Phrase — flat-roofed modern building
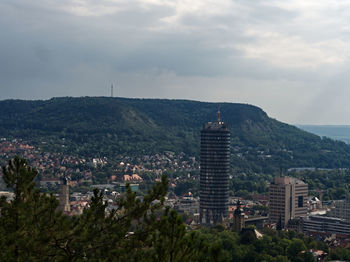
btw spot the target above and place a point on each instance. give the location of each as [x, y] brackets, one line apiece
[341, 209]
[287, 200]
[324, 224]
[214, 172]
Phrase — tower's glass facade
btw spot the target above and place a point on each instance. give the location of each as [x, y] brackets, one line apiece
[214, 172]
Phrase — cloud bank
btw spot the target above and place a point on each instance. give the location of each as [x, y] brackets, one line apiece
[289, 57]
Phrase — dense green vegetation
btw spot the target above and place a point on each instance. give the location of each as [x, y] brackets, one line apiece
[325, 184]
[328, 184]
[31, 229]
[101, 126]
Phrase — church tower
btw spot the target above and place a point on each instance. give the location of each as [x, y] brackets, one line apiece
[238, 218]
[64, 205]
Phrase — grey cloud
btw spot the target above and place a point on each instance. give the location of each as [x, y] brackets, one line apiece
[48, 51]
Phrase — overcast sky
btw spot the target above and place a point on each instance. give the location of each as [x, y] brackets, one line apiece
[291, 58]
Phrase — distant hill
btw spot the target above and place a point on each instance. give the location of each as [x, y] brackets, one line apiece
[336, 132]
[102, 126]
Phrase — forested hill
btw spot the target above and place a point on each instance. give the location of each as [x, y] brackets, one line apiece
[102, 126]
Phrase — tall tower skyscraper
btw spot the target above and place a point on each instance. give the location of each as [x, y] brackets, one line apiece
[214, 172]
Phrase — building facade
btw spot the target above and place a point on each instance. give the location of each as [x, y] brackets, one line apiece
[341, 209]
[238, 218]
[324, 224]
[287, 200]
[64, 203]
[214, 172]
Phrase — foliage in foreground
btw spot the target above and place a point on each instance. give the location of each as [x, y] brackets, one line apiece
[31, 229]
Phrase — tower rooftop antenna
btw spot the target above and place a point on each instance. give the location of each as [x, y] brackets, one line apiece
[219, 114]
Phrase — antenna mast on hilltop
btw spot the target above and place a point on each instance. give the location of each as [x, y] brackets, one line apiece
[112, 90]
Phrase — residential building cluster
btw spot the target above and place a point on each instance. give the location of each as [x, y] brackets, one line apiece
[50, 166]
[56, 169]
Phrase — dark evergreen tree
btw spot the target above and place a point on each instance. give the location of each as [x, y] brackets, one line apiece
[29, 222]
[171, 242]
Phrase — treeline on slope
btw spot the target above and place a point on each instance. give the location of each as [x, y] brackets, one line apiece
[93, 126]
[324, 184]
[31, 229]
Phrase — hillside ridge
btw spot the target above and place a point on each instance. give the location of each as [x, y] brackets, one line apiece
[108, 126]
